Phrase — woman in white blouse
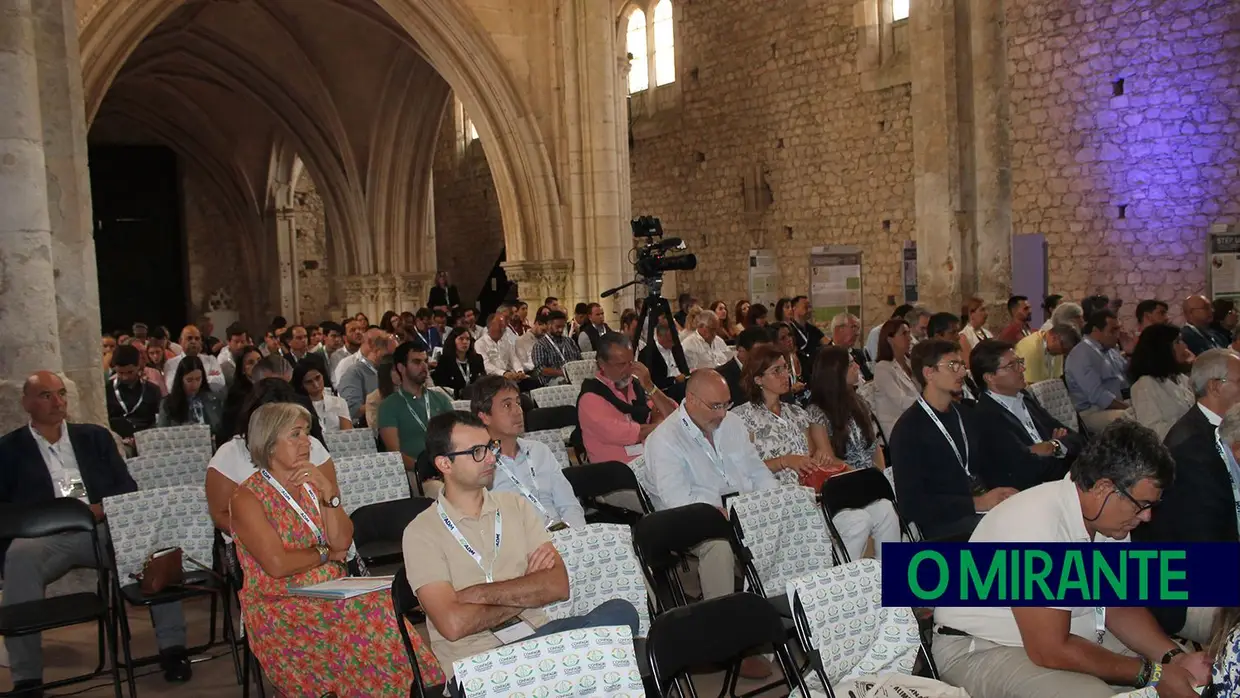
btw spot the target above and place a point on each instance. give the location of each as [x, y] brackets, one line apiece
[1161, 389]
[973, 315]
[895, 389]
[310, 379]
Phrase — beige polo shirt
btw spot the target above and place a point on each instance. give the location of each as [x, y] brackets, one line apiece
[1047, 513]
[433, 554]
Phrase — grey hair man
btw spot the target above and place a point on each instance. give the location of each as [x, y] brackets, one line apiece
[704, 348]
[1067, 314]
[918, 320]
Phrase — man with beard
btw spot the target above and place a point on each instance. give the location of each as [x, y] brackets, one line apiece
[405, 414]
[355, 337]
[553, 351]
[620, 406]
[191, 342]
[1020, 310]
[133, 403]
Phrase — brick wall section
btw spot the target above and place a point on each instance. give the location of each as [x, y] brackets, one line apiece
[780, 70]
[310, 221]
[469, 233]
[1168, 148]
[212, 250]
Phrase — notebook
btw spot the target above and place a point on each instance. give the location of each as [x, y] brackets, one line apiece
[344, 588]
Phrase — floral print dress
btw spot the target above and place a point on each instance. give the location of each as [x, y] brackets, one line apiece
[1226, 675]
[309, 647]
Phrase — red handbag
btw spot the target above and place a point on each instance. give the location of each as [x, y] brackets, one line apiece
[814, 478]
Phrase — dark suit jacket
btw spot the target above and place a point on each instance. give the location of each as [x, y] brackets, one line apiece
[447, 375]
[1006, 459]
[1198, 506]
[24, 476]
[446, 296]
[731, 372]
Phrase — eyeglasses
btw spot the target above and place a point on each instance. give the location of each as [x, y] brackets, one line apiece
[1141, 507]
[479, 452]
[953, 366]
[1014, 363]
[713, 406]
[777, 370]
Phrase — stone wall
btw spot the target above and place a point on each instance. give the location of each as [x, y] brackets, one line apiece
[314, 283]
[213, 251]
[784, 97]
[1166, 149]
[469, 234]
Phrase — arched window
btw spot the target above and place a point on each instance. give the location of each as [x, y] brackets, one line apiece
[635, 44]
[899, 10]
[664, 44]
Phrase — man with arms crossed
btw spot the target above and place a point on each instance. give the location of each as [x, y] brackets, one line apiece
[482, 563]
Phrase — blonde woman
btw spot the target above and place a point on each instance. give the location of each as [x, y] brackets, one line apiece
[973, 315]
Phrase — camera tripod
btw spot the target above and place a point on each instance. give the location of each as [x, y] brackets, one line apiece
[654, 309]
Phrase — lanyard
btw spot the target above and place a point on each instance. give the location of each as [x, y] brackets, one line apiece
[525, 491]
[117, 392]
[301, 513]
[195, 411]
[964, 462]
[804, 337]
[1100, 622]
[409, 406]
[425, 341]
[460, 540]
[557, 349]
[711, 451]
[1232, 467]
[466, 373]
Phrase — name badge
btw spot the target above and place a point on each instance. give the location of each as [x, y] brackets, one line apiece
[514, 630]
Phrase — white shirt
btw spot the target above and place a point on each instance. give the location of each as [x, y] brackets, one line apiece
[973, 335]
[669, 359]
[60, 460]
[699, 354]
[684, 468]
[225, 357]
[538, 471]
[1214, 419]
[1047, 513]
[477, 332]
[524, 351]
[1016, 405]
[871, 342]
[498, 357]
[344, 365]
[330, 410]
[233, 458]
[215, 376]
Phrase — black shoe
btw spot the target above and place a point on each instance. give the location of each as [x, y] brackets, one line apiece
[175, 663]
[30, 684]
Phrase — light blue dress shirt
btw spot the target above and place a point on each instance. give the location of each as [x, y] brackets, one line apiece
[1095, 376]
[538, 471]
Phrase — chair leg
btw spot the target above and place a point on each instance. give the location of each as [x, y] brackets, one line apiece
[230, 632]
[113, 651]
[102, 642]
[211, 623]
[122, 618]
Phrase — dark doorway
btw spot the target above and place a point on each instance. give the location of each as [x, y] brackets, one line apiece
[139, 242]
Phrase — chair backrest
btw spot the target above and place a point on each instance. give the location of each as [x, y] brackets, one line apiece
[785, 533]
[853, 490]
[149, 442]
[460, 405]
[369, 479]
[350, 442]
[598, 479]
[601, 566]
[170, 468]
[554, 440]
[589, 355]
[556, 395]
[664, 538]
[840, 616]
[578, 371]
[540, 418]
[145, 521]
[386, 521]
[1053, 395]
[588, 662]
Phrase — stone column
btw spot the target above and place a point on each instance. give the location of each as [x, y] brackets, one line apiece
[286, 249]
[538, 279]
[29, 326]
[992, 155]
[69, 204]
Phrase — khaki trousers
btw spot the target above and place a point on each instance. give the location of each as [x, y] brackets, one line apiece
[1096, 420]
[716, 568]
[988, 670]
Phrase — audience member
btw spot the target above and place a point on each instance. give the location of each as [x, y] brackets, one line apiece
[1043, 351]
[1224, 649]
[1198, 332]
[1161, 389]
[720, 309]
[525, 343]
[423, 331]
[499, 355]
[895, 387]
[1049, 304]
[552, 303]
[1095, 373]
[628, 323]
[684, 301]
[918, 320]
[757, 316]
[360, 377]
[798, 370]
[1022, 445]
[554, 351]
[460, 366]
[190, 401]
[390, 323]
[389, 379]
[581, 318]
[405, 414]
[973, 315]
[941, 326]
[238, 339]
[740, 316]
[132, 402]
[524, 466]
[1020, 313]
[592, 328]
[1201, 505]
[871, 338]
[44, 460]
[469, 319]
[297, 339]
[841, 425]
[191, 344]
[243, 383]
[846, 328]
[1094, 303]
[469, 583]
[731, 371]
[620, 405]
[291, 532]
[1225, 320]
[310, 379]
[1083, 652]
[668, 368]
[1151, 312]
[933, 453]
[704, 348]
[518, 320]
[808, 337]
[443, 295]
[272, 343]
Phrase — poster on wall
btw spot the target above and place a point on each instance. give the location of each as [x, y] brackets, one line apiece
[1224, 262]
[834, 282]
[910, 271]
[763, 278]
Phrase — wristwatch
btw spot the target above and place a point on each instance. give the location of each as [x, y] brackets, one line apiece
[1060, 450]
[1171, 653]
[334, 502]
[323, 553]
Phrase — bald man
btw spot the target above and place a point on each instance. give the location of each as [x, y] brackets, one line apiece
[191, 342]
[48, 459]
[1197, 333]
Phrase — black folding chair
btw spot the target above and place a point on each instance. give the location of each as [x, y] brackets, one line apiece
[594, 480]
[64, 515]
[378, 528]
[854, 490]
[234, 581]
[405, 606]
[713, 632]
[542, 418]
[664, 540]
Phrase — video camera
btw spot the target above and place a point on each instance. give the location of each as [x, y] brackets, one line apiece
[653, 259]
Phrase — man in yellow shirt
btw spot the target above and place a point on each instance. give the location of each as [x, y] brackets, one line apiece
[1043, 351]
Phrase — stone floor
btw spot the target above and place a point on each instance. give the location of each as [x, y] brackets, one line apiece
[71, 651]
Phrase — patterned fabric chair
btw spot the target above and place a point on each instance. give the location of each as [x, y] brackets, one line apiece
[601, 566]
[460, 405]
[785, 532]
[370, 479]
[351, 442]
[150, 442]
[1147, 692]
[1053, 395]
[554, 440]
[590, 662]
[588, 355]
[145, 521]
[169, 469]
[844, 628]
[578, 371]
[556, 395]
